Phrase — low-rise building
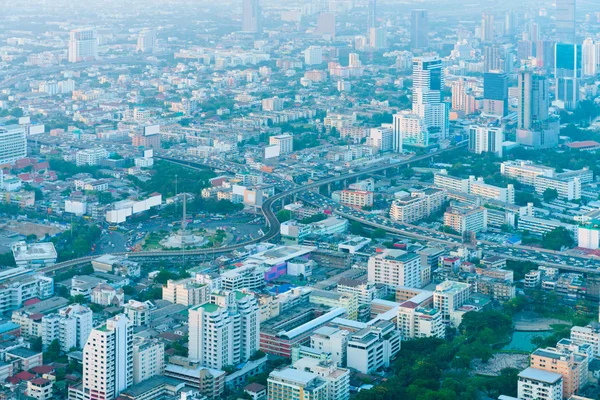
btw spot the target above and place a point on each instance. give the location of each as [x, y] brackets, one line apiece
[373, 347]
[291, 383]
[34, 255]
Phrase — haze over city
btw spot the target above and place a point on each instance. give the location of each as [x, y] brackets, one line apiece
[300, 200]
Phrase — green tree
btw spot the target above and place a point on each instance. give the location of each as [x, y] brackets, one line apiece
[284, 215]
[550, 195]
[557, 239]
[378, 233]
[36, 344]
[53, 351]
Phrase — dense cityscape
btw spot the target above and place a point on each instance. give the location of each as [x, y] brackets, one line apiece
[300, 200]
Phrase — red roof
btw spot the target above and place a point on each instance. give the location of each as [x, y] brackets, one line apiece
[31, 302]
[40, 381]
[585, 143]
[43, 369]
[21, 376]
[36, 316]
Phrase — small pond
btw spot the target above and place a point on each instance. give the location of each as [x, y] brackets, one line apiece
[521, 340]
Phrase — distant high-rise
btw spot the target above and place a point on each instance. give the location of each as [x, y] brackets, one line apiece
[377, 38]
[419, 29]
[534, 100]
[493, 58]
[146, 40]
[372, 16]
[251, 16]
[565, 21]
[428, 87]
[495, 93]
[567, 72]
[510, 23]
[589, 54]
[83, 45]
[487, 27]
[326, 24]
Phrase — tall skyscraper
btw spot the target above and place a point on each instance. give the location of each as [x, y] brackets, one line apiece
[487, 27]
[372, 15]
[565, 21]
[567, 72]
[495, 93]
[419, 29]
[251, 16]
[83, 45]
[225, 331]
[534, 100]
[428, 87]
[588, 57]
[107, 361]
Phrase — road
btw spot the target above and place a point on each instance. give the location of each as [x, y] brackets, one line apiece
[273, 224]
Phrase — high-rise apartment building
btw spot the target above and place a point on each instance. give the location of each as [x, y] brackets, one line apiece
[225, 331]
[251, 16]
[13, 144]
[495, 93]
[148, 359]
[83, 45]
[395, 268]
[560, 362]
[485, 139]
[419, 205]
[313, 55]
[71, 327]
[419, 29]
[449, 296]
[419, 322]
[381, 138]
[540, 385]
[565, 21]
[107, 361]
[409, 129]
[466, 219]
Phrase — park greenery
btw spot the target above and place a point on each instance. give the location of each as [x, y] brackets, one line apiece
[169, 179]
[76, 242]
[439, 369]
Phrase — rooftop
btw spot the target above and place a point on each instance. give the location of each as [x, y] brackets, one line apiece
[540, 375]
